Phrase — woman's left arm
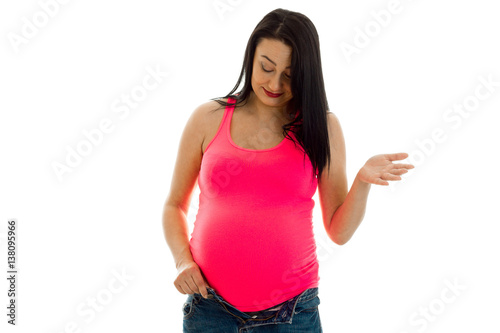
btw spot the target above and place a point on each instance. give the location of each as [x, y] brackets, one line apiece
[343, 211]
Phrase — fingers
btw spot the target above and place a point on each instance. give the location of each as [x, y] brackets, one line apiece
[186, 288]
[396, 157]
[192, 285]
[201, 285]
[388, 176]
[403, 166]
[190, 280]
[379, 181]
[398, 171]
[389, 171]
[181, 289]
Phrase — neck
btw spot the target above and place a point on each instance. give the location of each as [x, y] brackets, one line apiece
[266, 112]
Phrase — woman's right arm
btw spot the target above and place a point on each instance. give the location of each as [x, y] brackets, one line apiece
[175, 227]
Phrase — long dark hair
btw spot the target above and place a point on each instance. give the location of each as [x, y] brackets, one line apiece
[308, 89]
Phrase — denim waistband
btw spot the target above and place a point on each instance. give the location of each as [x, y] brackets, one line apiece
[282, 313]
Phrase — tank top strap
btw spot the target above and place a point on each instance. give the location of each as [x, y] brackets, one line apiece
[230, 108]
[228, 115]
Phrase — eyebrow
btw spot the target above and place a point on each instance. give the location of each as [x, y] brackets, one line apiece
[271, 60]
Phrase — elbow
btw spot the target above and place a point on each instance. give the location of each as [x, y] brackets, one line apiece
[339, 239]
[341, 242]
[337, 236]
[336, 233]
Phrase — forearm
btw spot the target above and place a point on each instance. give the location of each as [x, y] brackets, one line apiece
[176, 231]
[349, 215]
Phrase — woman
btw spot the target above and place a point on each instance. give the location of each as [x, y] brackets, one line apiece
[259, 156]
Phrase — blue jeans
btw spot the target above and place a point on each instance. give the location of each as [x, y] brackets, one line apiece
[214, 314]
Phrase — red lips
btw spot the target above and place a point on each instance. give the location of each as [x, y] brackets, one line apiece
[271, 94]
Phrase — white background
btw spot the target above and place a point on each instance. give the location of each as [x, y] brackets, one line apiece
[439, 223]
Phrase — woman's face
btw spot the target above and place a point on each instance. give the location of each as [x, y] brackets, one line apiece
[272, 72]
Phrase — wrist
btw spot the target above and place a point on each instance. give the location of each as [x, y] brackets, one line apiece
[360, 178]
[183, 261]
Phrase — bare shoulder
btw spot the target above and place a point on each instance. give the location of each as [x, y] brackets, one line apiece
[190, 153]
[337, 143]
[208, 108]
[332, 118]
[208, 117]
[334, 127]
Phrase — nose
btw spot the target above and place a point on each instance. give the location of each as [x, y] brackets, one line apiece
[275, 84]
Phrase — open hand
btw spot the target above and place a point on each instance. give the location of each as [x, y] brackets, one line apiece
[379, 169]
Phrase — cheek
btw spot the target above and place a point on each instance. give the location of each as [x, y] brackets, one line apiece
[258, 78]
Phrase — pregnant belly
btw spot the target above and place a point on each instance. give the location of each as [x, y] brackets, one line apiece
[255, 266]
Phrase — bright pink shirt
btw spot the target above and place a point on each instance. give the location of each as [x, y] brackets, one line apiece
[253, 234]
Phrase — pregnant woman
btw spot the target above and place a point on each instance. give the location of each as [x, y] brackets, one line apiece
[259, 155]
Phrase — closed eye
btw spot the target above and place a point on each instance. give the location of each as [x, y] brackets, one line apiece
[265, 70]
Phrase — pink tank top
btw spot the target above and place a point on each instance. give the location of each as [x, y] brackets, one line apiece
[253, 233]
